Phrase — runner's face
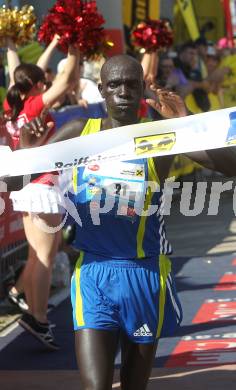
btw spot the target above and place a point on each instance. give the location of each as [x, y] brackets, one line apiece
[122, 88]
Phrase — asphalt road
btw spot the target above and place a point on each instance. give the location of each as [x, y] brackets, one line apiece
[203, 234]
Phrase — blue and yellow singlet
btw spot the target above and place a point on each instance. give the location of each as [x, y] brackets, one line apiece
[113, 201]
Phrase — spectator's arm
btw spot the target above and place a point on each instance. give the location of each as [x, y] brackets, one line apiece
[12, 60]
[45, 57]
[149, 64]
[153, 67]
[64, 80]
[146, 61]
[221, 160]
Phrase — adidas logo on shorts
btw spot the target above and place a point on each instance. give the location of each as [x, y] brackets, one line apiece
[143, 331]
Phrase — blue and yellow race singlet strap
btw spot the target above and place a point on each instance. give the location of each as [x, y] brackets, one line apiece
[92, 126]
[79, 302]
[152, 176]
[164, 269]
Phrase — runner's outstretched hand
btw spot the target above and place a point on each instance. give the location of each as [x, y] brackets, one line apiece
[35, 132]
[167, 103]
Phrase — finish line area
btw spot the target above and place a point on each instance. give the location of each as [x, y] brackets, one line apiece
[203, 353]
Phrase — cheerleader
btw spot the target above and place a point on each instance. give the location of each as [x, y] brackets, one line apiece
[39, 201]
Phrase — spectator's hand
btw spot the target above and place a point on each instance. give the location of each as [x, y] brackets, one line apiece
[167, 103]
[204, 84]
[149, 80]
[219, 74]
[149, 64]
[7, 42]
[83, 103]
[214, 87]
[35, 132]
[56, 39]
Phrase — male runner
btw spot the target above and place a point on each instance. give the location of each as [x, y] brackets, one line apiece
[122, 287]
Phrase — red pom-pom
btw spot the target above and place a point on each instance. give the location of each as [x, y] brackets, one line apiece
[78, 23]
[152, 35]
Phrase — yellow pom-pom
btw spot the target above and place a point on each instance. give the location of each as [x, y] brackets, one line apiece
[17, 24]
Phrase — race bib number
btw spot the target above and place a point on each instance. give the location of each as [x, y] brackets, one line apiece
[123, 185]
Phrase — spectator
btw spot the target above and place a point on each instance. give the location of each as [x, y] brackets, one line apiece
[88, 85]
[202, 47]
[26, 99]
[165, 70]
[71, 96]
[49, 77]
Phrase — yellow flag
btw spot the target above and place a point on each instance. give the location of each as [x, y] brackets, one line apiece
[154, 9]
[187, 11]
[138, 11]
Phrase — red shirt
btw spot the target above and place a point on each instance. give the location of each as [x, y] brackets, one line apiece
[33, 107]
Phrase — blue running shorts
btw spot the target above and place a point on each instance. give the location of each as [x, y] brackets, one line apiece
[137, 297]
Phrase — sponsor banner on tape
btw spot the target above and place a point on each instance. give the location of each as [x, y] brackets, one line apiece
[211, 130]
[154, 143]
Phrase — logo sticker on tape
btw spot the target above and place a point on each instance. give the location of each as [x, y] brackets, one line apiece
[231, 136]
[154, 143]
